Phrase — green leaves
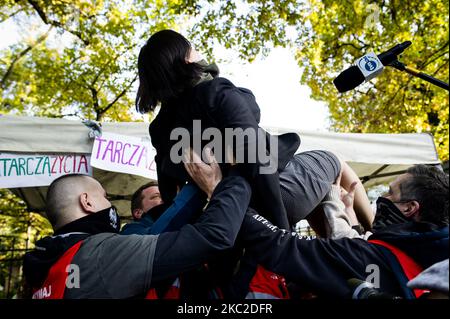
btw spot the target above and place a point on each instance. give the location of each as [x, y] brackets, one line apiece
[79, 59]
[82, 60]
[86, 65]
[395, 101]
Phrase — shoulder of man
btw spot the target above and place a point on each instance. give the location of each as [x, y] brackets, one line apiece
[102, 260]
[140, 227]
[113, 239]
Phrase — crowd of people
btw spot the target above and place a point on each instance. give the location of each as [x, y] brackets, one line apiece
[211, 228]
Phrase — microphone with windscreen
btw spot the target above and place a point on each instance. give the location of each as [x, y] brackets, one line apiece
[368, 67]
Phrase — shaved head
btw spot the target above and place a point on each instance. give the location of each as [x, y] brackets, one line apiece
[63, 198]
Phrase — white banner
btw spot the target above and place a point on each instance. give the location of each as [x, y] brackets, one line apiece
[124, 154]
[26, 170]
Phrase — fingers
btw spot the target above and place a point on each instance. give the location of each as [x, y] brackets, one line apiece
[197, 169]
[214, 165]
[193, 163]
[338, 179]
[209, 156]
[190, 156]
[195, 157]
[211, 159]
[352, 188]
[188, 162]
[343, 192]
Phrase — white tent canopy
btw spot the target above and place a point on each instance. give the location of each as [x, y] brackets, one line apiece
[375, 157]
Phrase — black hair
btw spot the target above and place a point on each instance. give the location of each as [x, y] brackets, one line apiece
[428, 185]
[163, 69]
[136, 199]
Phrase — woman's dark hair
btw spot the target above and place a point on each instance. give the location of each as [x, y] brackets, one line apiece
[163, 69]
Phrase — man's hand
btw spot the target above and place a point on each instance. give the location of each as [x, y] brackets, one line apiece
[206, 176]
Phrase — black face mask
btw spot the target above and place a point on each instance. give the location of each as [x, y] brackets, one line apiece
[156, 211]
[104, 221]
[387, 214]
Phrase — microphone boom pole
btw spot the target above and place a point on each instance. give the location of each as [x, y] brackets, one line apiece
[370, 65]
[410, 70]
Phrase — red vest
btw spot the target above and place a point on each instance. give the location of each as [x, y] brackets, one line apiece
[172, 293]
[267, 285]
[410, 268]
[55, 283]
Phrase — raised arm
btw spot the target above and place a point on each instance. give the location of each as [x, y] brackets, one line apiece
[340, 218]
[322, 265]
[215, 230]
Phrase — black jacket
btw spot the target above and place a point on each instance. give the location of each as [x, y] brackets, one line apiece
[324, 265]
[219, 104]
[119, 266]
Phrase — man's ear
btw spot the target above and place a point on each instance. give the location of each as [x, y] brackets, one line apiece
[86, 203]
[412, 209]
[137, 213]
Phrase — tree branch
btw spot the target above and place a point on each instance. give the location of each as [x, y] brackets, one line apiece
[77, 114]
[104, 68]
[388, 103]
[432, 54]
[352, 45]
[439, 68]
[11, 15]
[124, 91]
[95, 99]
[55, 23]
[393, 10]
[114, 59]
[21, 55]
[434, 59]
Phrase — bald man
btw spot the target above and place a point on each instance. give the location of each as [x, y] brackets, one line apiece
[87, 258]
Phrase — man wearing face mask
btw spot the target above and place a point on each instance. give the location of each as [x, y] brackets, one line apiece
[145, 209]
[413, 196]
[398, 250]
[410, 233]
[152, 216]
[87, 258]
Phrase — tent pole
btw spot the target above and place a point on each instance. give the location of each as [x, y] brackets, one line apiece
[366, 178]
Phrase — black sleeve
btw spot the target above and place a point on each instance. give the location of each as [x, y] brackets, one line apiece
[236, 108]
[229, 105]
[232, 108]
[167, 185]
[214, 231]
[159, 131]
[322, 265]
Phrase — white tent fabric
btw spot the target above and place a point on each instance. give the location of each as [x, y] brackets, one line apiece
[45, 135]
[376, 158]
[370, 148]
[368, 154]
